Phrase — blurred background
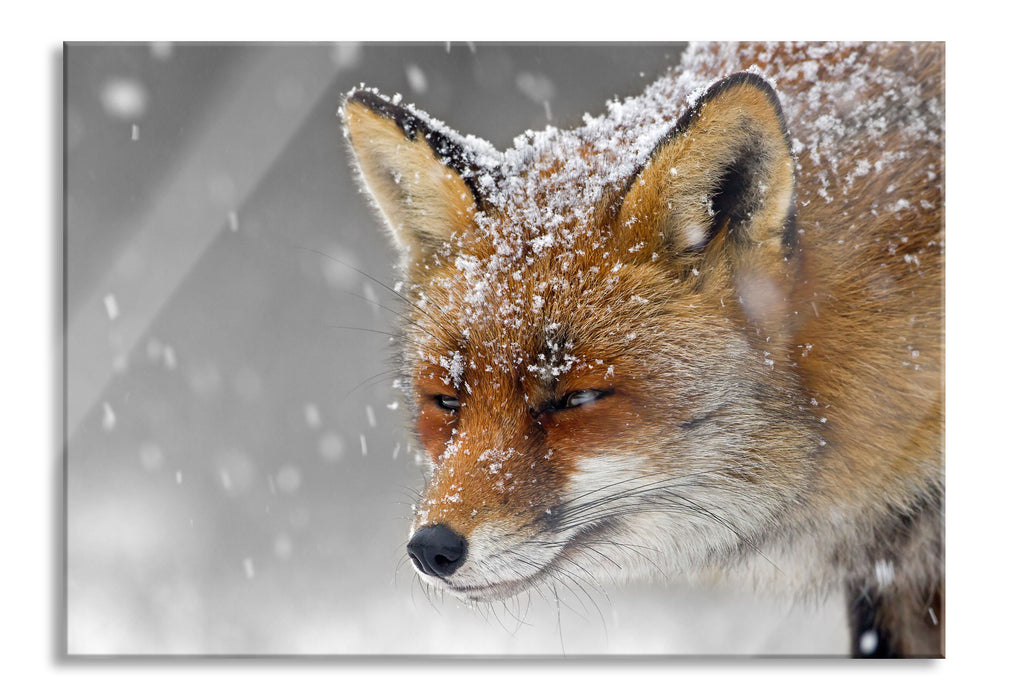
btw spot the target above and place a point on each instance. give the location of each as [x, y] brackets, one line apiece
[238, 478]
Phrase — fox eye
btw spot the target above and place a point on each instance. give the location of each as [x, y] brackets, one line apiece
[446, 402]
[581, 398]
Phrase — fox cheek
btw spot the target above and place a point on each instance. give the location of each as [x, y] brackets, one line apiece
[434, 431]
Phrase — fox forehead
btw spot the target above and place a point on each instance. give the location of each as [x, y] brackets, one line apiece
[547, 316]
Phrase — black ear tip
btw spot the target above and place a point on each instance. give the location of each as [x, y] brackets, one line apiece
[408, 118]
[446, 145]
[749, 78]
[360, 95]
[374, 101]
[752, 79]
[366, 96]
[742, 78]
[734, 80]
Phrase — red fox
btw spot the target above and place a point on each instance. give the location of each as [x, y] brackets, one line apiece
[701, 333]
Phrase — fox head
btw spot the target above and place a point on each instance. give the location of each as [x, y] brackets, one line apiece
[596, 336]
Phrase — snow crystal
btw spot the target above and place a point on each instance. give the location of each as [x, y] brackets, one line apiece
[694, 235]
[204, 378]
[496, 459]
[168, 355]
[282, 547]
[331, 447]
[288, 478]
[372, 296]
[124, 98]
[868, 642]
[535, 86]
[162, 50]
[312, 416]
[152, 458]
[455, 364]
[346, 54]
[416, 78]
[222, 189]
[111, 306]
[108, 418]
[884, 573]
[235, 470]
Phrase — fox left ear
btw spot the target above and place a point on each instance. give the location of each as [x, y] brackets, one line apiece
[422, 178]
[725, 170]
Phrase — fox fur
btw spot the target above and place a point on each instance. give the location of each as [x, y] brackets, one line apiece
[701, 334]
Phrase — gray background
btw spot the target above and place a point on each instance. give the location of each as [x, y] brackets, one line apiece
[237, 479]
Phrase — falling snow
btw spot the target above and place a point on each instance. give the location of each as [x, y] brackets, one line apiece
[111, 306]
[312, 416]
[152, 457]
[108, 418]
[331, 447]
[416, 78]
[868, 642]
[124, 98]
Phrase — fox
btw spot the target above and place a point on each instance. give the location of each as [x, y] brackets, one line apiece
[700, 335]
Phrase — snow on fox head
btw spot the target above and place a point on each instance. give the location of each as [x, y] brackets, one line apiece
[593, 320]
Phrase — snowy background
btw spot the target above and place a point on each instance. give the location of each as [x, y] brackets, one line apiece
[237, 479]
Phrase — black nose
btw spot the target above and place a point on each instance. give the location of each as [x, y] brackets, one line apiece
[437, 550]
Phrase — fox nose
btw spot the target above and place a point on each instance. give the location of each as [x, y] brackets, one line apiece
[437, 550]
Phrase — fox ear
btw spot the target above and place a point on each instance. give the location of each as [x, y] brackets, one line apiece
[422, 180]
[725, 169]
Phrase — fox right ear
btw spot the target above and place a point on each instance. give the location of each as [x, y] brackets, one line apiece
[421, 179]
[724, 170]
